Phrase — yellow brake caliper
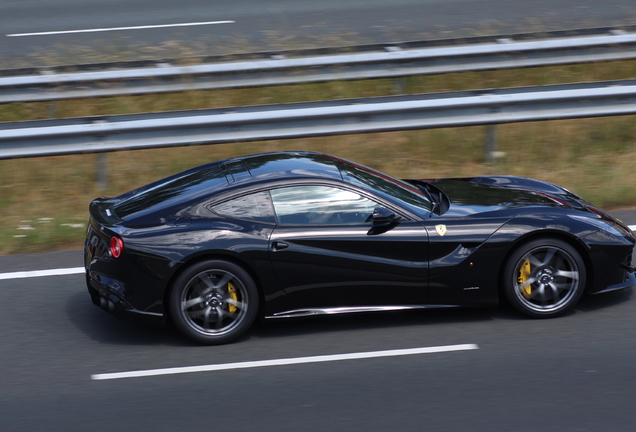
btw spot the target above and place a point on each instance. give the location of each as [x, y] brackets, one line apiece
[524, 275]
[232, 293]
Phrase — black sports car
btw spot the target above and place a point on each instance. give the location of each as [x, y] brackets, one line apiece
[299, 233]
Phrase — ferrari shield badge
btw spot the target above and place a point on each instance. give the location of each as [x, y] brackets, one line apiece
[441, 230]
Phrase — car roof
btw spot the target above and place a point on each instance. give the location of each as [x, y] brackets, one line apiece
[270, 166]
[227, 174]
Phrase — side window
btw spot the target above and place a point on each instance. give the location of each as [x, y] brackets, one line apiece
[301, 205]
[255, 207]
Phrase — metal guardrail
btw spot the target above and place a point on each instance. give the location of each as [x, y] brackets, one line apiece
[214, 126]
[363, 62]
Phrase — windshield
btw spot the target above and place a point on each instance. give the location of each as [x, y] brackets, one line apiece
[389, 187]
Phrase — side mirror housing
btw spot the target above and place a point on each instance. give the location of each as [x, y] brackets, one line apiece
[383, 217]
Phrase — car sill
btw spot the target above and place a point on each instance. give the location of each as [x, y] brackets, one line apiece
[346, 310]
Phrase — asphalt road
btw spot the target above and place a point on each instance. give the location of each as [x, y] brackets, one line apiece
[279, 24]
[574, 373]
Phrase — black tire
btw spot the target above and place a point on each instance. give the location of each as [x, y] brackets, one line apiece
[213, 302]
[544, 278]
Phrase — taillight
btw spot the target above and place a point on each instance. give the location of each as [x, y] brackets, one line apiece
[116, 247]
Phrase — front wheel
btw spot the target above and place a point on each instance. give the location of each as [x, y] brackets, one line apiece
[544, 278]
[213, 302]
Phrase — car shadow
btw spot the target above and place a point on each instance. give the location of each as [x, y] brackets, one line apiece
[275, 328]
[105, 328]
[591, 303]
[397, 319]
[108, 329]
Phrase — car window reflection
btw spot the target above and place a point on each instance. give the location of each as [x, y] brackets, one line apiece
[409, 196]
[255, 207]
[306, 205]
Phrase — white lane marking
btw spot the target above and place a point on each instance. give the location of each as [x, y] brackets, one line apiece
[120, 28]
[40, 273]
[282, 362]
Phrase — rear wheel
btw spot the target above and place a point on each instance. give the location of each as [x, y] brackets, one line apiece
[544, 278]
[213, 302]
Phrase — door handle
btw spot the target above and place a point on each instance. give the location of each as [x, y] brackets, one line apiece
[278, 245]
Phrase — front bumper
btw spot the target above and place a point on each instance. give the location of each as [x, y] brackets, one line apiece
[630, 282]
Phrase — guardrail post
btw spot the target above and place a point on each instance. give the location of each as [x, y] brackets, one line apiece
[102, 171]
[51, 109]
[399, 85]
[491, 142]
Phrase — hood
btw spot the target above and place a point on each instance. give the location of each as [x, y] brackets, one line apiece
[467, 198]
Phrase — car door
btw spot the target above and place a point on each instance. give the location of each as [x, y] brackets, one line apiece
[325, 253]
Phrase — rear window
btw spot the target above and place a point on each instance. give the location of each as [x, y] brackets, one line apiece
[180, 188]
[255, 207]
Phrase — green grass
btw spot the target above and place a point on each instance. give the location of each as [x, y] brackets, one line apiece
[593, 157]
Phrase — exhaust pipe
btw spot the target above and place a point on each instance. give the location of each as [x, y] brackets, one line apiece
[106, 304]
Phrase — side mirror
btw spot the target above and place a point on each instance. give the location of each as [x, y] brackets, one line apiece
[382, 217]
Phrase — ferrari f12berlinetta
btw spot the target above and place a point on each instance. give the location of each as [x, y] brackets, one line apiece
[299, 233]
